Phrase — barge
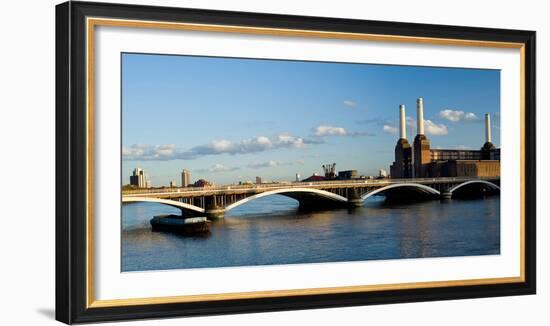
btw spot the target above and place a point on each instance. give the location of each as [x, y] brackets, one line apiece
[181, 225]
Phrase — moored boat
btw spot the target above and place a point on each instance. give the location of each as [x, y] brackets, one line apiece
[181, 225]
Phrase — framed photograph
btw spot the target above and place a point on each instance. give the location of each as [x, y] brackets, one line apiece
[214, 162]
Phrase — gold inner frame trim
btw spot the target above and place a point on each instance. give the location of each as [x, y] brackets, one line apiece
[286, 293]
[92, 22]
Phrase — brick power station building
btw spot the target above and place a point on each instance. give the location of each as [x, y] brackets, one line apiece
[420, 161]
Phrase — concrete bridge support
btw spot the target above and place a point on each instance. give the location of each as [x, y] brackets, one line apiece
[446, 194]
[354, 198]
[212, 209]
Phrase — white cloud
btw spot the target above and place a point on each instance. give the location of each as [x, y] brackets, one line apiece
[264, 141]
[158, 152]
[272, 163]
[135, 150]
[350, 103]
[457, 115]
[286, 140]
[218, 168]
[463, 147]
[221, 145]
[327, 130]
[390, 129]
[215, 147]
[430, 127]
[264, 164]
[435, 129]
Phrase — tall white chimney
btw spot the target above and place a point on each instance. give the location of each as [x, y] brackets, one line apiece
[420, 116]
[402, 126]
[487, 127]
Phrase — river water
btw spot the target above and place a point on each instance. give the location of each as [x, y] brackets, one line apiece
[270, 230]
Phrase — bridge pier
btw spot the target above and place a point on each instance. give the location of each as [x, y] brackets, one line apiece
[354, 198]
[446, 194]
[215, 214]
[211, 208]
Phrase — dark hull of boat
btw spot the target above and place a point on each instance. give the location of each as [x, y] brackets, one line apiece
[179, 225]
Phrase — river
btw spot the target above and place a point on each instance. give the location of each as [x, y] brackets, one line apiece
[270, 230]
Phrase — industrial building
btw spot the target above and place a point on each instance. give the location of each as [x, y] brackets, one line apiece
[420, 161]
[348, 174]
[330, 174]
[402, 167]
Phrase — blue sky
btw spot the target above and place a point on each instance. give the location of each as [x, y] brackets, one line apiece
[231, 119]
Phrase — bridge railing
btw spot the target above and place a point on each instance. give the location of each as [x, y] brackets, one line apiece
[296, 184]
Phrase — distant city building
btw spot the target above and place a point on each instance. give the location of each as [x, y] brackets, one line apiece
[138, 178]
[348, 174]
[173, 184]
[148, 184]
[202, 183]
[185, 178]
[314, 177]
[382, 173]
[420, 161]
[297, 177]
[258, 180]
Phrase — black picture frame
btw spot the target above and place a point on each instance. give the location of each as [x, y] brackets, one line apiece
[71, 157]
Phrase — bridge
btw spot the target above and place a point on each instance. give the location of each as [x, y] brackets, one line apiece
[214, 201]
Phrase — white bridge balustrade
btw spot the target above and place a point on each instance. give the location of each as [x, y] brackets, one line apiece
[214, 201]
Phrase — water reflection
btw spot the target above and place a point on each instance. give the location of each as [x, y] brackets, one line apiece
[272, 230]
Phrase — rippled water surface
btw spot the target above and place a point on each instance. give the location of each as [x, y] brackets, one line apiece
[270, 230]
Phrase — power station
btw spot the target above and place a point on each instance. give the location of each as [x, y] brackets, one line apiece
[420, 161]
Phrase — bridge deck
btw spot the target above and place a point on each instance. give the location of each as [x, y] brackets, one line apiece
[259, 188]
